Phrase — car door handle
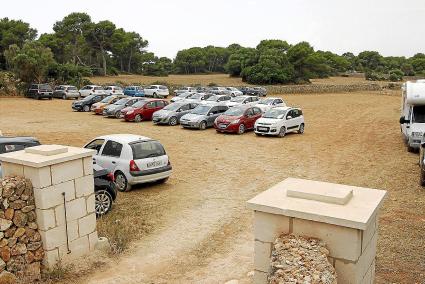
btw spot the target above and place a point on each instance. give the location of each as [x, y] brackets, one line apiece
[113, 162]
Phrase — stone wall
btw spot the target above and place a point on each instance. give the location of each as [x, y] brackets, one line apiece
[21, 250]
[319, 88]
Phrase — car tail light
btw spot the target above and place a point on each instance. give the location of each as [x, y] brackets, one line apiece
[134, 167]
[111, 177]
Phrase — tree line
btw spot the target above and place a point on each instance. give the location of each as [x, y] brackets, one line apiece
[79, 47]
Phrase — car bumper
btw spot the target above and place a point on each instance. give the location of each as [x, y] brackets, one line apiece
[266, 130]
[414, 142]
[229, 128]
[128, 117]
[98, 111]
[77, 108]
[150, 175]
[72, 96]
[160, 120]
[189, 124]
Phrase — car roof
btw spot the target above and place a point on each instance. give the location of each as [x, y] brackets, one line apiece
[16, 139]
[124, 138]
[283, 108]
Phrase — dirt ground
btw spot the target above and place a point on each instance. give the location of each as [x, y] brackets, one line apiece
[200, 230]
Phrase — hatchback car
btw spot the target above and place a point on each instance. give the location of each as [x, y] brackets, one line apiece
[279, 121]
[181, 96]
[217, 99]
[266, 104]
[238, 119]
[133, 159]
[86, 103]
[198, 97]
[202, 116]
[134, 91]
[97, 108]
[184, 90]
[114, 110]
[243, 100]
[66, 92]
[172, 113]
[90, 90]
[105, 192]
[114, 90]
[40, 91]
[156, 91]
[143, 110]
[234, 92]
[219, 91]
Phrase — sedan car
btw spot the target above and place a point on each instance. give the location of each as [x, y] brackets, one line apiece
[40, 91]
[172, 113]
[134, 91]
[266, 104]
[105, 192]
[66, 92]
[86, 103]
[202, 116]
[237, 119]
[144, 109]
[114, 110]
[243, 100]
[97, 108]
[132, 159]
[11, 144]
[279, 121]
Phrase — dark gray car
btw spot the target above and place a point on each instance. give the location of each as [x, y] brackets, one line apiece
[172, 113]
[114, 110]
[202, 116]
[12, 144]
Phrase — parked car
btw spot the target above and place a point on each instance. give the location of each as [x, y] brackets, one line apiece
[266, 104]
[242, 100]
[97, 108]
[181, 96]
[219, 91]
[133, 159]
[245, 90]
[11, 144]
[114, 90]
[221, 99]
[114, 110]
[279, 121]
[202, 116]
[134, 91]
[91, 90]
[143, 110]
[172, 113]
[105, 192]
[258, 91]
[234, 92]
[156, 91]
[66, 92]
[40, 91]
[184, 90]
[198, 97]
[238, 119]
[86, 103]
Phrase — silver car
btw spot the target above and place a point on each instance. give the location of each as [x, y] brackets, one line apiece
[181, 96]
[172, 113]
[66, 92]
[217, 99]
[202, 116]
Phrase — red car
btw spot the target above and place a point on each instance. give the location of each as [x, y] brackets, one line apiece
[237, 119]
[143, 110]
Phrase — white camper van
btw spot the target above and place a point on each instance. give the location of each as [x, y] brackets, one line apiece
[412, 120]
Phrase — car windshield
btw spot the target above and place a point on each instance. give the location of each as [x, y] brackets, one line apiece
[235, 111]
[172, 107]
[107, 99]
[122, 101]
[266, 102]
[213, 98]
[196, 96]
[275, 113]
[139, 104]
[147, 149]
[88, 98]
[419, 114]
[201, 109]
[237, 99]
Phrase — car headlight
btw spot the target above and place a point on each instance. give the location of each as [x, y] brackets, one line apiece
[417, 134]
[235, 121]
[130, 111]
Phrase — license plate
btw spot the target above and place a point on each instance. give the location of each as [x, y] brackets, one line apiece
[153, 164]
[222, 126]
[262, 128]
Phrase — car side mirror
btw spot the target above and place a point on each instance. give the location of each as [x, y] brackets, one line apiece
[289, 117]
[403, 120]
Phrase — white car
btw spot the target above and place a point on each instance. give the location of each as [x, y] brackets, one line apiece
[243, 100]
[217, 99]
[279, 121]
[184, 90]
[156, 91]
[133, 159]
[114, 90]
[219, 90]
[91, 90]
[234, 92]
[180, 97]
[269, 103]
[198, 97]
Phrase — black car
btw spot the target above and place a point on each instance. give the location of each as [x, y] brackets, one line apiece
[86, 103]
[12, 144]
[40, 91]
[104, 190]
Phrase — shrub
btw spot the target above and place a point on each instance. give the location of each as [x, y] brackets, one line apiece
[396, 75]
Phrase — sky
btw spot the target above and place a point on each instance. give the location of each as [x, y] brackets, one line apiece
[392, 27]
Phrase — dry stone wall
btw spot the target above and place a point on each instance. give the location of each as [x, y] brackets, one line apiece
[21, 250]
[320, 89]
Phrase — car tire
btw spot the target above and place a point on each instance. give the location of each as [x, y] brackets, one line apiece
[301, 129]
[121, 182]
[173, 121]
[103, 202]
[86, 108]
[117, 114]
[203, 125]
[282, 132]
[410, 149]
[64, 97]
[422, 178]
[241, 129]
[138, 118]
[37, 97]
[50, 98]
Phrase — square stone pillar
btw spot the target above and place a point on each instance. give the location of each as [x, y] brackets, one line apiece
[62, 178]
[345, 217]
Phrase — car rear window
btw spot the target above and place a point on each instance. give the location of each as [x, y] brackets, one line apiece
[147, 149]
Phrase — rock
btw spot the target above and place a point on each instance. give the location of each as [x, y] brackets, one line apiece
[31, 200]
[23, 239]
[2, 212]
[39, 254]
[27, 208]
[32, 272]
[11, 241]
[16, 264]
[18, 249]
[1, 235]
[18, 204]
[250, 274]
[5, 204]
[36, 237]
[5, 253]
[233, 281]
[3, 243]
[29, 232]
[19, 189]
[29, 257]
[7, 278]
[9, 232]
[33, 246]
[32, 225]
[5, 224]
[20, 219]
[8, 190]
[8, 213]
[19, 232]
[31, 216]
[2, 265]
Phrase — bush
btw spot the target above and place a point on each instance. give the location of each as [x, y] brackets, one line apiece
[375, 76]
[396, 75]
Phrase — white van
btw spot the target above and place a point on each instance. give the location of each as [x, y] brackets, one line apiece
[412, 120]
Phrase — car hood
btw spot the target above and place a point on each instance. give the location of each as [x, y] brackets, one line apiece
[227, 118]
[99, 105]
[417, 127]
[267, 120]
[114, 107]
[193, 117]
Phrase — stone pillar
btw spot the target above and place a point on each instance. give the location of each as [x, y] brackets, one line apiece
[62, 178]
[345, 217]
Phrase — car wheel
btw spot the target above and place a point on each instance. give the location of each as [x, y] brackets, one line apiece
[37, 97]
[301, 129]
[173, 121]
[117, 114]
[203, 125]
[64, 97]
[121, 182]
[138, 118]
[422, 178]
[241, 129]
[86, 108]
[50, 98]
[282, 131]
[103, 202]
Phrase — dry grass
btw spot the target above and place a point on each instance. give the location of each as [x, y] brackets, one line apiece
[58, 272]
